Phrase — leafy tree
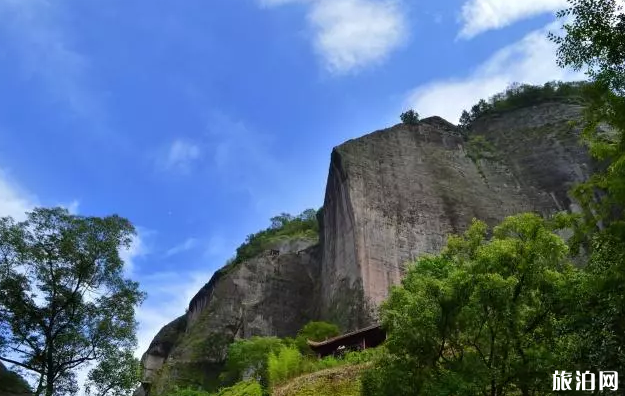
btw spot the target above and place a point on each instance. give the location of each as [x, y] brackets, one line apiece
[315, 331]
[409, 117]
[465, 120]
[480, 318]
[63, 299]
[118, 373]
[248, 359]
[594, 40]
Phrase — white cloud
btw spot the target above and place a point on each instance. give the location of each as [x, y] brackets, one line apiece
[14, 201]
[181, 155]
[531, 60]
[352, 34]
[479, 16]
[136, 250]
[187, 245]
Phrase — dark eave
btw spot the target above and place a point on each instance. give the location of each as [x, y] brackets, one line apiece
[314, 344]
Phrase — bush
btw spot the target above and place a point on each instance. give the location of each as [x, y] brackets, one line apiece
[245, 388]
[285, 364]
[315, 331]
[188, 392]
[249, 357]
[410, 117]
[284, 226]
[517, 95]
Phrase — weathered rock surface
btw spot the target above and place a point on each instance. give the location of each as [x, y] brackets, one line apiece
[396, 194]
[391, 196]
[264, 296]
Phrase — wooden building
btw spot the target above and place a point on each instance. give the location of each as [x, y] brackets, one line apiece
[369, 337]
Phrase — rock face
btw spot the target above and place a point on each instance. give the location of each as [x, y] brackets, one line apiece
[391, 196]
[396, 194]
[264, 296]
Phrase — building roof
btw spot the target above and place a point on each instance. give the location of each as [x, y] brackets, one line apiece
[315, 344]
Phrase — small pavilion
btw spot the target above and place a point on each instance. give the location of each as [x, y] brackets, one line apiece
[369, 337]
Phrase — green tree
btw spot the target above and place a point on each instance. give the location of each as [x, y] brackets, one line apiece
[117, 374]
[315, 331]
[248, 359]
[409, 117]
[480, 318]
[64, 301]
[594, 40]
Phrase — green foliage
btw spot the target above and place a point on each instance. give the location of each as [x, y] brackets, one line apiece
[283, 365]
[479, 148]
[315, 331]
[249, 358]
[340, 381]
[521, 95]
[63, 298]
[188, 392]
[409, 117]
[282, 227]
[594, 40]
[481, 317]
[115, 375]
[245, 388]
[288, 363]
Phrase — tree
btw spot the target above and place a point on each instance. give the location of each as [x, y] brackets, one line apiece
[410, 117]
[465, 120]
[116, 374]
[480, 318]
[281, 220]
[63, 299]
[248, 359]
[594, 40]
[315, 331]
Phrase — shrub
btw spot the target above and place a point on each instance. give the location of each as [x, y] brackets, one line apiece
[518, 95]
[249, 357]
[284, 226]
[285, 364]
[409, 117]
[315, 331]
[245, 388]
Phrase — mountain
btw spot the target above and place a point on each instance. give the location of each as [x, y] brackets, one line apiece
[11, 384]
[391, 196]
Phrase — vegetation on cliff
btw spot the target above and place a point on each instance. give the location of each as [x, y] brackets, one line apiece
[283, 227]
[409, 117]
[523, 95]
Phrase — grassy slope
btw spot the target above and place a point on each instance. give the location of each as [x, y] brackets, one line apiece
[339, 381]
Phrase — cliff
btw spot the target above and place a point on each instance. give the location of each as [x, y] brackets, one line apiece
[391, 196]
[396, 194]
[266, 295]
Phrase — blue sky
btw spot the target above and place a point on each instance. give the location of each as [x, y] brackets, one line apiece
[199, 120]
